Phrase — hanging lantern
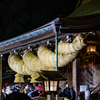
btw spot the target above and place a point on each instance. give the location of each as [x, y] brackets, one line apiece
[50, 85]
[91, 49]
[51, 80]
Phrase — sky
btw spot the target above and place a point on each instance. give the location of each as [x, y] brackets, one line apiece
[20, 16]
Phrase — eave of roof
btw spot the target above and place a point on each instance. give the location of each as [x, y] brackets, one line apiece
[50, 75]
[89, 8]
[46, 33]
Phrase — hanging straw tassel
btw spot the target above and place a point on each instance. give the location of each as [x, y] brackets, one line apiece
[19, 78]
[34, 76]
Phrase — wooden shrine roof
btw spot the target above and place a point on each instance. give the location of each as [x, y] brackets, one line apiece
[50, 75]
[84, 19]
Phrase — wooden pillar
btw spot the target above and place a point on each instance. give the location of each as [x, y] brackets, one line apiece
[0, 78]
[76, 76]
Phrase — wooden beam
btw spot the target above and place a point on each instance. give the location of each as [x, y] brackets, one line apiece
[0, 78]
[76, 76]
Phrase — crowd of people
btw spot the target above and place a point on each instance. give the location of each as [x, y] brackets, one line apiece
[70, 93]
[36, 90]
[31, 91]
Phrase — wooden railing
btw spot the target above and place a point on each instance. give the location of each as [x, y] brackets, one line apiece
[40, 98]
[45, 98]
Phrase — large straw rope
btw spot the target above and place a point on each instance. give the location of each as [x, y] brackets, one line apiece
[17, 64]
[49, 58]
[75, 46]
[33, 62]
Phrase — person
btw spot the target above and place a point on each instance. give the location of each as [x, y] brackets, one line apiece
[29, 94]
[17, 96]
[24, 90]
[79, 97]
[35, 85]
[67, 92]
[87, 93]
[15, 89]
[40, 93]
[39, 87]
[37, 93]
[21, 90]
[72, 93]
[60, 92]
[3, 97]
[34, 93]
[3, 94]
[8, 90]
[27, 88]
